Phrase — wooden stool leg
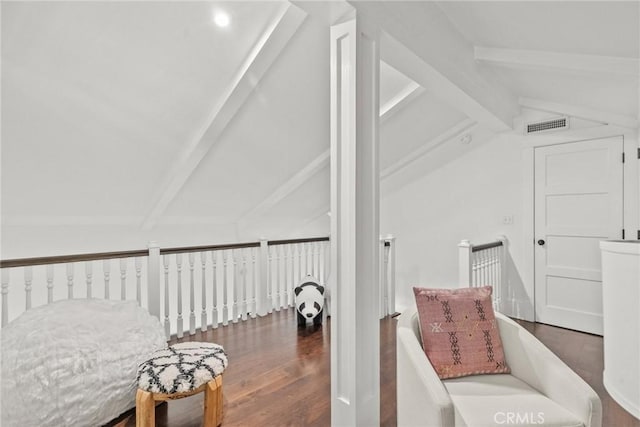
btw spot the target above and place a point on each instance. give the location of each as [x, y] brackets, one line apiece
[220, 404]
[145, 409]
[210, 404]
[213, 403]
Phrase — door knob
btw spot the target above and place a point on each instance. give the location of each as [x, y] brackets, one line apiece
[541, 242]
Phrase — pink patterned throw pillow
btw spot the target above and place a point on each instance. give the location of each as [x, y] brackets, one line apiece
[459, 331]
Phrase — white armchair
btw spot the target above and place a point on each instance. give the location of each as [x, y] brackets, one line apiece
[540, 391]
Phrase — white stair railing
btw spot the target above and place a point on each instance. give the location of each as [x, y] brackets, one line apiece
[232, 283]
[47, 279]
[484, 265]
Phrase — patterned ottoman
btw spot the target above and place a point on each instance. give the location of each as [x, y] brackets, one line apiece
[179, 371]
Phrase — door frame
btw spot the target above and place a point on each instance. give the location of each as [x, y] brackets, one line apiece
[630, 196]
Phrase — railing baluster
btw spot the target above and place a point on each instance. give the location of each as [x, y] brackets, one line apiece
[300, 273]
[494, 266]
[214, 311]
[322, 270]
[180, 330]
[5, 296]
[284, 276]
[70, 280]
[88, 271]
[106, 268]
[49, 283]
[489, 261]
[203, 315]
[284, 279]
[123, 279]
[486, 269]
[243, 294]
[292, 280]
[167, 319]
[271, 271]
[316, 260]
[254, 271]
[192, 292]
[278, 280]
[138, 267]
[28, 279]
[154, 280]
[225, 307]
[236, 284]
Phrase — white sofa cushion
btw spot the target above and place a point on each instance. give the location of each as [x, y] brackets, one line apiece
[494, 400]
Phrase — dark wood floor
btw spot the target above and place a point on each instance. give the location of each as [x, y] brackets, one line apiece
[279, 375]
[584, 354]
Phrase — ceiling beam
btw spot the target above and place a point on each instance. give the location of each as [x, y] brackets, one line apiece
[456, 131]
[419, 41]
[580, 112]
[535, 59]
[400, 100]
[292, 184]
[255, 66]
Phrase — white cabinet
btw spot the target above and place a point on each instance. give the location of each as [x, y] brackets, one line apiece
[621, 311]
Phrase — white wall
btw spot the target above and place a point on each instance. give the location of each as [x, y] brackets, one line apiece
[466, 198]
[35, 241]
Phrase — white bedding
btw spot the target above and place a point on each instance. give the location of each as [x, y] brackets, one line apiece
[74, 362]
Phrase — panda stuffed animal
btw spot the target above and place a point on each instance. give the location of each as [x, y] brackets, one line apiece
[309, 301]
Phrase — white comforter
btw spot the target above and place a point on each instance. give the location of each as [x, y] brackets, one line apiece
[73, 362]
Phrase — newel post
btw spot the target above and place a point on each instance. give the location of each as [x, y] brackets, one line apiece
[464, 263]
[262, 298]
[153, 279]
[392, 273]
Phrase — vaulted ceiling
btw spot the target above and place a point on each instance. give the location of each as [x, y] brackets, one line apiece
[147, 114]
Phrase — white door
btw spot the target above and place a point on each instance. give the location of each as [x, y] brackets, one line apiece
[578, 203]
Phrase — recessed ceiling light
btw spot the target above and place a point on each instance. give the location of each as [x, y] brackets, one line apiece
[221, 19]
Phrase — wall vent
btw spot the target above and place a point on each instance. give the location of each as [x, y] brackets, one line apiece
[548, 125]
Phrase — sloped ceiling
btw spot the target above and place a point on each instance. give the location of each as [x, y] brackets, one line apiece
[606, 28]
[578, 53]
[99, 97]
[102, 102]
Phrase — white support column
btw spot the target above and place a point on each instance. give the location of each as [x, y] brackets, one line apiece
[262, 300]
[355, 326]
[464, 263]
[153, 279]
